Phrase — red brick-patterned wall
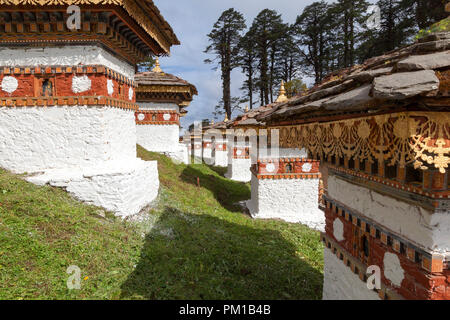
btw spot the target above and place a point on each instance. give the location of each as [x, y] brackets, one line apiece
[417, 283]
[30, 82]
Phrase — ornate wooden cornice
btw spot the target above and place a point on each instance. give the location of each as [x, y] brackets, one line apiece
[142, 16]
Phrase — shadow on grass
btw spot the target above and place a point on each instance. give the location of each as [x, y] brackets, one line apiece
[188, 256]
[219, 170]
[226, 192]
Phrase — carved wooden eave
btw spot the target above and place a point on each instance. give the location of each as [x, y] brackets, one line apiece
[141, 18]
[164, 87]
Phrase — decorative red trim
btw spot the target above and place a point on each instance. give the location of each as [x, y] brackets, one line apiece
[67, 101]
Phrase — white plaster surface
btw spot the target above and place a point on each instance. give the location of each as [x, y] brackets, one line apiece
[239, 170]
[338, 229]
[81, 84]
[292, 200]
[158, 138]
[340, 283]
[123, 187]
[427, 229]
[64, 56]
[9, 84]
[393, 270]
[37, 139]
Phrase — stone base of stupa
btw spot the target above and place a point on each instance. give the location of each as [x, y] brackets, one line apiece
[124, 188]
[287, 189]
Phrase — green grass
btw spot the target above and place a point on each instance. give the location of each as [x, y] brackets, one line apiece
[195, 243]
[441, 26]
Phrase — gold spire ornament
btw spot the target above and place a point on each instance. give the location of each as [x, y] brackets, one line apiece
[246, 108]
[281, 94]
[157, 67]
[226, 117]
[212, 122]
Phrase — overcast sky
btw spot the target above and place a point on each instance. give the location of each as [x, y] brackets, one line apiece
[192, 20]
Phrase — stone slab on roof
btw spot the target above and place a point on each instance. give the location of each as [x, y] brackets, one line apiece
[403, 85]
[380, 82]
[425, 62]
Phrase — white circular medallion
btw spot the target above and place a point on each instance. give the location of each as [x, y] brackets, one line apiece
[307, 167]
[238, 152]
[9, 84]
[141, 117]
[270, 167]
[166, 116]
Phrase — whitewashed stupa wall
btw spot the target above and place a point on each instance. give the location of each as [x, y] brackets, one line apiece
[161, 138]
[220, 155]
[238, 166]
[35, 138]
[88, 150]
[291, 200]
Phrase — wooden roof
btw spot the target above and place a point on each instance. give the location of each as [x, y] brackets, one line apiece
[416, 76]
[144, 12]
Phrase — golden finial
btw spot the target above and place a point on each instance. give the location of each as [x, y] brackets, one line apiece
[226, 117]
[212, 122]
[246, 108]
[157, 67]
[282, 93]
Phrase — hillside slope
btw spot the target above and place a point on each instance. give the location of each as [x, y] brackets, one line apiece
[194, 243]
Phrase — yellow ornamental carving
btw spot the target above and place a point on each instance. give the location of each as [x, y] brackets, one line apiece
[418, 138]
[337, 131]
[401, 128]
[431, 141]
[364, 130]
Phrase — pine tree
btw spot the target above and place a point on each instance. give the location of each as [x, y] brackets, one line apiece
[349, 17]
[224, 44]
[267, 30]
[247, 57]
[314, 37]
